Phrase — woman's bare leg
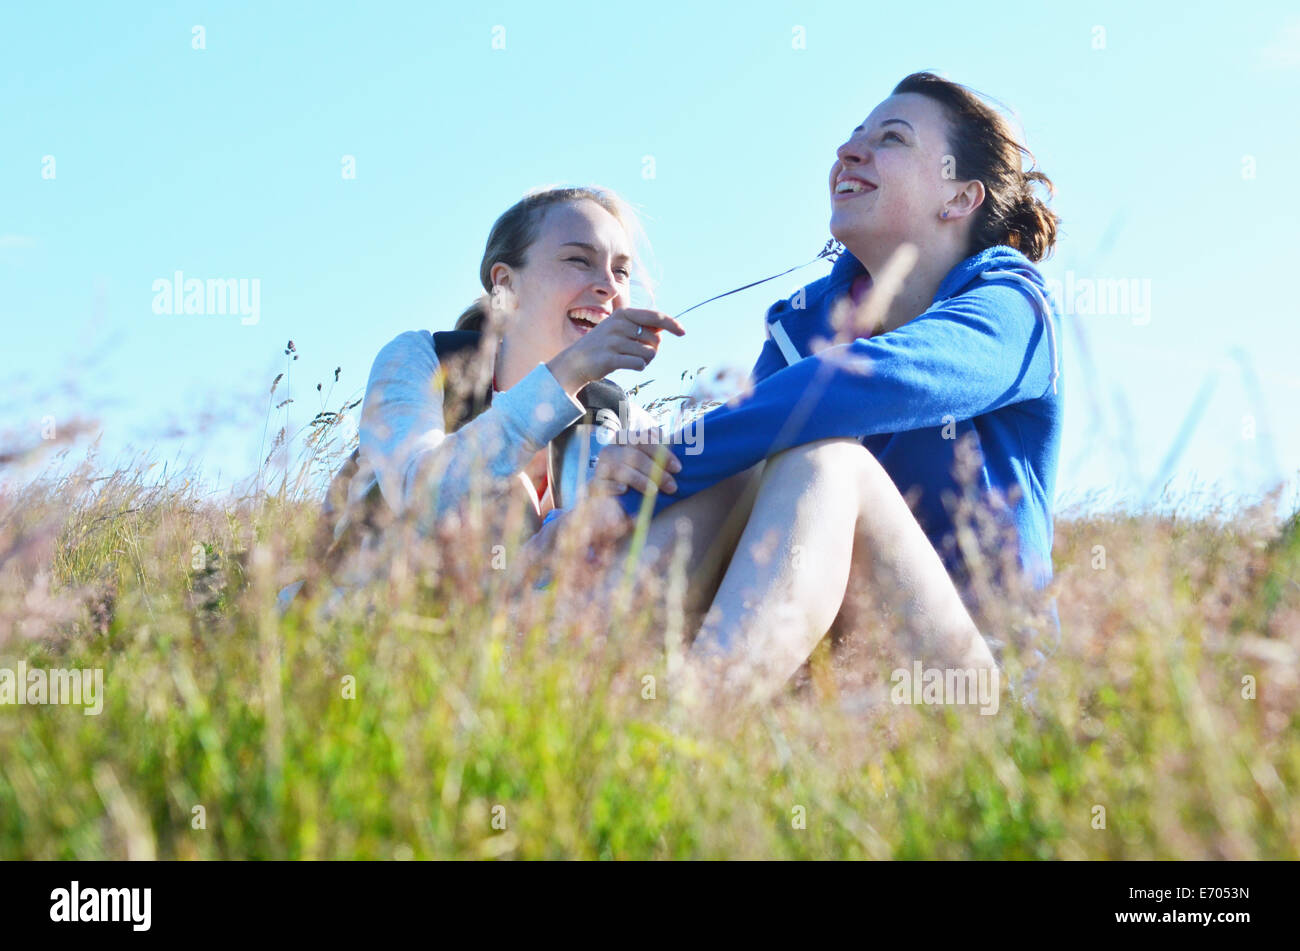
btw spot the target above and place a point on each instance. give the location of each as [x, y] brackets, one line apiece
[818, 508]
[699, 532]
[709, 525]
[714, 520]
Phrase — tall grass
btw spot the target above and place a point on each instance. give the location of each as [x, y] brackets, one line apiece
[465, 704]
[451, 708]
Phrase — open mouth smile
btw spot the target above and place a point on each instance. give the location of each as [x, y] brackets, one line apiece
[586, 318]
[847, 186]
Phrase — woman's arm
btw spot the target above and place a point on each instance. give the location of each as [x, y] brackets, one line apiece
[417, 462]
[971, 355]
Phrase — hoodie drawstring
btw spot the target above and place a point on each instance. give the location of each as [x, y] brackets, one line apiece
[1044, 309]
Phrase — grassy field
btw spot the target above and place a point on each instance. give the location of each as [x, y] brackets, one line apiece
[430, 718]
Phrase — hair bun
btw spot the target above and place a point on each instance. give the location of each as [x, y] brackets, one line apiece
[1031, 224]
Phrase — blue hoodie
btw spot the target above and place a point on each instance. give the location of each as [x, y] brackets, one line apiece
[981, 362]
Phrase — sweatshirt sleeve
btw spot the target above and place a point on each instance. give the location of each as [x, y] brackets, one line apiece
[404, 440]
[967, 356]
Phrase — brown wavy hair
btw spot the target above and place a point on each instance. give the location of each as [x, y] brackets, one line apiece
[986, 149]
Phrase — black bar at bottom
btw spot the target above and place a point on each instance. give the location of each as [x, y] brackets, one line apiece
[921, 900]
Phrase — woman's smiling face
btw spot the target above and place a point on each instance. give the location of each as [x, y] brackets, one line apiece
[577, 272]
[887, 184]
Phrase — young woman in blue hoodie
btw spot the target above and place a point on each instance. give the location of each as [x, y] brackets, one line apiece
[938, 380]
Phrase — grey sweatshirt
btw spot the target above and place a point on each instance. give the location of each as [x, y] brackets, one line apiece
[406, 449]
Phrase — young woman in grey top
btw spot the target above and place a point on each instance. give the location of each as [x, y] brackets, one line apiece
[557, 270]
[557, 274]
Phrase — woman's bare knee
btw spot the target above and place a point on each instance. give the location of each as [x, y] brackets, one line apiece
[845, 462]
[890, 549]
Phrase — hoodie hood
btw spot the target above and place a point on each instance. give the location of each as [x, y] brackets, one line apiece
[1001, 263]
[998, 263]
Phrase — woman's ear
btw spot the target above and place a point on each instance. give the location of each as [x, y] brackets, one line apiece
[502, 297]
[966, 201]
[502, 275]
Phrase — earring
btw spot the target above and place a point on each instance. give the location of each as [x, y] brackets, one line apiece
[945, 214]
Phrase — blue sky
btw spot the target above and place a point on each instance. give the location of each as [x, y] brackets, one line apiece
[1169, 130]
